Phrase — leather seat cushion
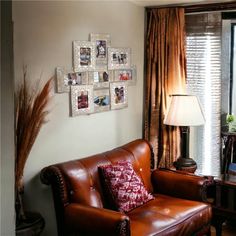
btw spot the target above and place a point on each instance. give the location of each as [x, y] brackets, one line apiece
[169, 216]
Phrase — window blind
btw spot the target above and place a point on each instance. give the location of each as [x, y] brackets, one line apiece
[203, 51]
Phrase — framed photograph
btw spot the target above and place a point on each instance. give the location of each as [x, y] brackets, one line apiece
[102, 42]
[119, 95]
[100, 78]
[101, 100]
[83, 56]
[119, 58]
[65, 79]
[81, 100]
[129, 75]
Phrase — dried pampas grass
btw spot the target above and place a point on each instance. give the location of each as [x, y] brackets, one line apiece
[31, 111]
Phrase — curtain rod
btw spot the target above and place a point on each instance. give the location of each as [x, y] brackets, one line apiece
[200, 7]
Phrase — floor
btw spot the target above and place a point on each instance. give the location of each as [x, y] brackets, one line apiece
[228, 229]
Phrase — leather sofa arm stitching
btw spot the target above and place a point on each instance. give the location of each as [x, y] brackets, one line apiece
[52, 176]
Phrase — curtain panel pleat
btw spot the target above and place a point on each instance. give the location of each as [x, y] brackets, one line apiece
[165, 75]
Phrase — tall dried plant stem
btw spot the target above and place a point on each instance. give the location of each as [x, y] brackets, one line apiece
[30, 116]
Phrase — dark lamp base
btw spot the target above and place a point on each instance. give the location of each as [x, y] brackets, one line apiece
[185, 164]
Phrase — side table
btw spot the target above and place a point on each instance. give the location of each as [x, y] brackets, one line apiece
[225, 204]
[228, 151]
[32, 226]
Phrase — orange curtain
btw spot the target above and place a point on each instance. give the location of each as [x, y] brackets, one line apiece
[165, 75]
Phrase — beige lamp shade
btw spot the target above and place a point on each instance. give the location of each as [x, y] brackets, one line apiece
[184, 110]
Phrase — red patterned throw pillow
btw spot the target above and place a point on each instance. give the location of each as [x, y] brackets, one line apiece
[125, 186]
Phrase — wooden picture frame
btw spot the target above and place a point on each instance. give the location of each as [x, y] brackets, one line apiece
[83, 56]
[101, 100]
[100, 78]
[66, 78]
[102, 42]
[82, 100]
[129, 75]
[119, 95]
[119, 58]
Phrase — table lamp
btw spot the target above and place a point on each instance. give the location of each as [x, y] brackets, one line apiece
[184, 111]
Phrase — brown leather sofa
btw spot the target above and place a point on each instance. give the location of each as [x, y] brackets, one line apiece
[82, 209]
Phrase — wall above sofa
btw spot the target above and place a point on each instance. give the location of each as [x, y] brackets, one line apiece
[43, 32]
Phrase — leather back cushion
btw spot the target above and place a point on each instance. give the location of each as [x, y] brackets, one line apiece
[82, 177]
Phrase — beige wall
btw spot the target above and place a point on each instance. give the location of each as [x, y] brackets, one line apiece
[43, 35]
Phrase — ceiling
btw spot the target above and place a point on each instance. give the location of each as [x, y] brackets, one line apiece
[174, 2]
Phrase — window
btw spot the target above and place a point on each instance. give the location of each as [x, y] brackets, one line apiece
[233, 70]
[204, 80]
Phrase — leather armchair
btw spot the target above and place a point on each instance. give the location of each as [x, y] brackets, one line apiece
[83, 209]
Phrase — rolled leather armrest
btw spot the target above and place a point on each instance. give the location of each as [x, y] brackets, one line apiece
[89, 220]
[180, 184]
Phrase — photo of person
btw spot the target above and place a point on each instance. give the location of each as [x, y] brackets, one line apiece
[85, 56]
[101, 49]
[119, 58]
[72, 78]
[105, 76]
[128, 75]
[75, 78]
[82, 100]
[125, 75]
[101, 44]
[100, 76]
[119, 95]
